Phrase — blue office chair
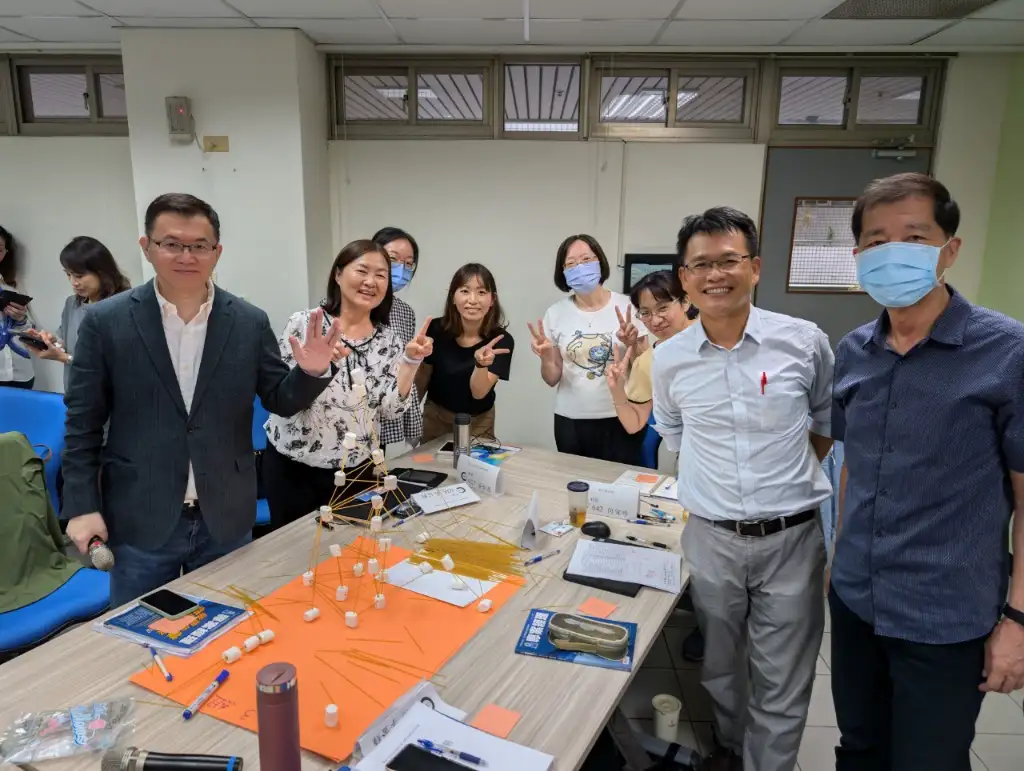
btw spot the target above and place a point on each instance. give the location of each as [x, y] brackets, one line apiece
[38, 415]
[651, 443]
[260, 415]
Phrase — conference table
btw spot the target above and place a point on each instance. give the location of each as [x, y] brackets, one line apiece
[563, 706]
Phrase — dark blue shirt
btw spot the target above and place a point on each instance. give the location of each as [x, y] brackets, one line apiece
[930, 438]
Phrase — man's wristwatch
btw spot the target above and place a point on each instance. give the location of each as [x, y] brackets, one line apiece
[1013, 614]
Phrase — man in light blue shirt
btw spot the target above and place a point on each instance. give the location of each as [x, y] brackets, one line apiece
[732, 395]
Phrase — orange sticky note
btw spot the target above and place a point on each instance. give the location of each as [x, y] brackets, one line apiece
[177, 626]
[423, 458]
[597, 608]
[647, 478]
[496, 720]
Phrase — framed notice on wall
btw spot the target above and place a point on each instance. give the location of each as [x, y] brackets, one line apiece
[639, 265]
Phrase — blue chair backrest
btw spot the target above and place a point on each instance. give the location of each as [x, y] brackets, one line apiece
[649, 448]
[260, 415]
[39, 415]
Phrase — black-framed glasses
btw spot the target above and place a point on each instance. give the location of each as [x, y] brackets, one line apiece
[726, 265]
[176, 248]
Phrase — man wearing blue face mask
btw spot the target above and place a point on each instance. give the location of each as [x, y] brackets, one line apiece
[929, 401]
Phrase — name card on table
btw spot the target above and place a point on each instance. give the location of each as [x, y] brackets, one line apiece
[482, 477]
[447, 497]
[608, 499]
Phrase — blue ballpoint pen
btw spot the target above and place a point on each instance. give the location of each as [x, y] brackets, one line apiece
[439, 749]
[645, 522]
[539, 557]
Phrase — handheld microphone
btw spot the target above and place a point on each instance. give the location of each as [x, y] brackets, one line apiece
[134, 759]
[100, 554]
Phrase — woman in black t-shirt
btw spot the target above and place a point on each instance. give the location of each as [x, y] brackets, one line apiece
[472, 352]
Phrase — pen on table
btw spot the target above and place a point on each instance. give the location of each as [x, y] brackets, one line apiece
[647, 522]
[540, 557]
[193, 708]
[662, 514]
[644, 541]
[160, 663]
[439, 749]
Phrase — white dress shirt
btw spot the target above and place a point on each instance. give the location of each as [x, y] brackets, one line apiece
[185, 343]
[744, 452]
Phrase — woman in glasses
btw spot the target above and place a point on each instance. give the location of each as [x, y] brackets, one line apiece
[574, 342]
[662, 306]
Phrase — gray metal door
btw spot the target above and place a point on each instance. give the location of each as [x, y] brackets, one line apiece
[828, 175]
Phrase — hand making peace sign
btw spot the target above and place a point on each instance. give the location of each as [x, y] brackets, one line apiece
[485, 356]
[315, 355]
[628, 334]
[616, 374]
[539, 342]
[421, 346]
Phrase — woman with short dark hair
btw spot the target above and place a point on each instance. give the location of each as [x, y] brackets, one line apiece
[16, 368]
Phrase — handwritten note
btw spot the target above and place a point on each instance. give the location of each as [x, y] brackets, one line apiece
[648, 567]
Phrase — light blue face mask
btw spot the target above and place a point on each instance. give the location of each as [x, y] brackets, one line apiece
[583, 278]
[899, 274]
[401, 275]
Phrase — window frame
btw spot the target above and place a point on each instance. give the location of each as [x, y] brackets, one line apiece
[412, 127]
[835, 290]
[90, 67]
[583, 62]
[8, 124]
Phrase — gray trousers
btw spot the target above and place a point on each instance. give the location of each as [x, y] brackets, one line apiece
[760, 604]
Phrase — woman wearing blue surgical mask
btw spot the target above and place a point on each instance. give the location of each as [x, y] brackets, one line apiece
[575, 343]
[404, 255]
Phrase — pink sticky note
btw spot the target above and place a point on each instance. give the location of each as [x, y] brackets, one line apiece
[423, 458]
[597, 608]
[496, 720]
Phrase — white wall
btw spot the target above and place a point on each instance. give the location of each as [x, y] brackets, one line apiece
[976, 90]
[54, 189]
[508, 204]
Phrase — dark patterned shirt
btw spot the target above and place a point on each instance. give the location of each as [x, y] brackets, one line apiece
[409, 427]
[930, 438]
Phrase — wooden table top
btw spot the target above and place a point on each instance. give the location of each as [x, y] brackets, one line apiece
[563, 706]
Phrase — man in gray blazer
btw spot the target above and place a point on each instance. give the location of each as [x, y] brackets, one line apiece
[174, 366]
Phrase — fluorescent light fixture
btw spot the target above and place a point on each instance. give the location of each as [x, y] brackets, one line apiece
[633, 104]
[399, 93]
[914, 96]
[539, 126]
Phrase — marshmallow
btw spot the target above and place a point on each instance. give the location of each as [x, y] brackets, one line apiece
[231, 655]
[373, 566]
[384, 576]
[448, 563]
[349, 442]
[351, 619]
[266, 636]
[341, 593]
[359, 391]
[331, 715]
[379, 602]
[358, 377]
[422, 538]
[326, 511]
[390, 482]
[311, 615]
[384, 542]
[251, 644]
[484, 606]
[339, 478]
[377, 456]
[426, 567]
[335, 549]
[357, 569]
[376, 521]
[307, 578]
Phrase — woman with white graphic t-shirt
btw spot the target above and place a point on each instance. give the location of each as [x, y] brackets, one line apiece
[574, 342]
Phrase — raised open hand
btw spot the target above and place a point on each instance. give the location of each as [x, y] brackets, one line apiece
[485, 355]
[421, 346]
[628, 334]
[540, 344]
[315, 355]
[616, 372]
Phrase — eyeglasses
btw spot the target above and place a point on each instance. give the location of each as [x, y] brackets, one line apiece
[726, 265]
[399, 260]
[580, 261]
[661, 311]
[176, 248]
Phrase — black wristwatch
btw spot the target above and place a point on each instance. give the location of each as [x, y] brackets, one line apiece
[1013, 614]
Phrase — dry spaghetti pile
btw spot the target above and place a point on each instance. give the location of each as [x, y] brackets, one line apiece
[473, 559]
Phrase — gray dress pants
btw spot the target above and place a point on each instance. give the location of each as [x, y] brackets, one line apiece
[760, 604]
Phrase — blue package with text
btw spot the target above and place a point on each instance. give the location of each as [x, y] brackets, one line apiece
[595, 642]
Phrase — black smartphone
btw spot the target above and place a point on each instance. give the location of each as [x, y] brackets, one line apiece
[8, 296]
[448, 448]
[415, 758]
[168, 604]
[31, 341]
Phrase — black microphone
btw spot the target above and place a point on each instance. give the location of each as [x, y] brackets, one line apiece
[134, 759]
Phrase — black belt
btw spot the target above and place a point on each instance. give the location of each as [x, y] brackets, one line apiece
[765, 527]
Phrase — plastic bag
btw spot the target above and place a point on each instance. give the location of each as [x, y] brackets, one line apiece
[94, 727]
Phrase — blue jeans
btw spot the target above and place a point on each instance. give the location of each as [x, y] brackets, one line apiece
[139, 571]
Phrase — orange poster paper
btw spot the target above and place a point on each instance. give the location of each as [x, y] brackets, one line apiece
[362, 670]
[496, 720]
[597, 608]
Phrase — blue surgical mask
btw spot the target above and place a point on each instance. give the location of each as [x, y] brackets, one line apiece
[401, 275]
[898, 274]
[584, 278]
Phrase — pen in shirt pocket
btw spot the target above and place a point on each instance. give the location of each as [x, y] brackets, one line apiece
[764, 381]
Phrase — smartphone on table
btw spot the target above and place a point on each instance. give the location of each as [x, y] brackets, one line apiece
[169, 604]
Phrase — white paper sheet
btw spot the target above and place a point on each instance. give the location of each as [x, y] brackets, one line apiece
[437, 584]
[639, 480]
[656, 568]
[668, 489]
[423, 692]
[447, 497]
[421, 722]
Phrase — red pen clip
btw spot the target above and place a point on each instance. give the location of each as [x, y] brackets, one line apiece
[764, 381]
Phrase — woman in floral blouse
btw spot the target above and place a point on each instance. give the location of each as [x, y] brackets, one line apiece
[371, 380]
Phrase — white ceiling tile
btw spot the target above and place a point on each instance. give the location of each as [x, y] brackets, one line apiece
[204, 22]
[1004, 9]
[460, 31]
[727, 33]
[979, 33]
[11, 37]
[338, 31]
[161, 8]
[56, 29]
[597, 33]
[602, 9]
[856, 32]
[452, 9]
[308, 9]
[43, 8]
[745, 9]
